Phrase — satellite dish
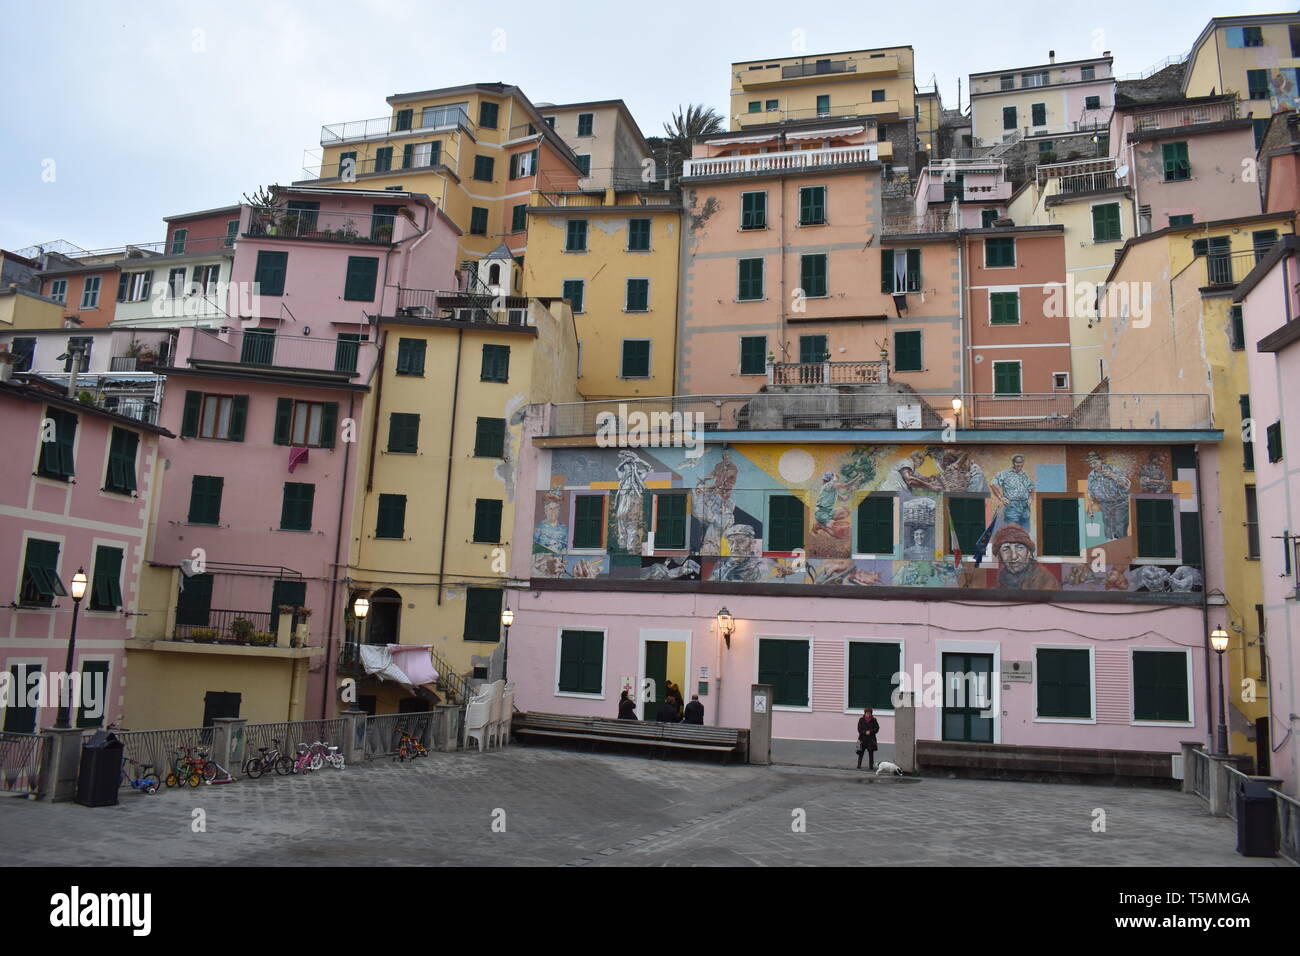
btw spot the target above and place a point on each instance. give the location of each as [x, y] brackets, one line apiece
[1121, 172]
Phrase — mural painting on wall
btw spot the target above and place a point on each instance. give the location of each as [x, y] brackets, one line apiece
[716, 529]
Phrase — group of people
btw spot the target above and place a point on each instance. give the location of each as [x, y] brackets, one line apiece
[671, 708]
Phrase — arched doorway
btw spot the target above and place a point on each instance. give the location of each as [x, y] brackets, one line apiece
[385, 617]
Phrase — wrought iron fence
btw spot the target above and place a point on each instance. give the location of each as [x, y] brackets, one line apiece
[225, 626]
[160, 747]
[384, 731]
[290, 734]
[22, 757]
[1200, 771]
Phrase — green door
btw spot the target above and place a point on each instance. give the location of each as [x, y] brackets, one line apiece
[656, 674]
[967, 692]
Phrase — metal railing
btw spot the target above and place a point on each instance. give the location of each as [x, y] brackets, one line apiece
[933, 220]
[520, 130]
[159, 747]
[653, 194]
[322, 226]
[777, 162]
[449, 680]
[249, 628]
[819, 68]
[437, 118]
[829, 373]
[331, 730]
[22, 757]
[459, 307]
[1200, 771]
[130, 403]
[867, 111]
[446, 156]
[384, 731]
[1085, 175]
[267, 349]
[1228, 268]
[1191, 115]
[1288, 826]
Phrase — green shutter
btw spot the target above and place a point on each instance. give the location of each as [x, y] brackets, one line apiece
[872, 667]
[1064, 683]
[1008, 117]
[238, 417]
[1160, 685]
[106, 591]
[296, 509]
[482, 614]
[638, 235]
[93, 674]
[636, 358]
[1060, 527]
[812, 205]
[490, 438]
[403, 433]
[573, 292]
[670, 521]
[404, 118]
[519, 218]
[887, 271]
[751, 279]
[408, 155]
[1247, 447]
[478, 221]
[589, 522]
[362, 275]
[56, 456]
[41, 583]
[576, 236]
[121, 461]
[190, 417]
[1105, 222]
[812, 274]
[329, 424]
[410, 356]
[967, 517]
[753, 210]
[582, 662]
[1004, 308]
[1155, 527]
[999, 252]
[270, 272]
[1006, 378]
[283, 421]
[784, 665]
[1176, 164]
[753, 354]
[1038, 114]
[487, 520]
[876, 525]
[812, 349]
[391, 521]
[496, 363]
[205, 499]
[907, 352]
[194, 601]
[785, 523]
[638, 295]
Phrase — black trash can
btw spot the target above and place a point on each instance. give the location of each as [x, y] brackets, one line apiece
[1256, 819]
[100, 771]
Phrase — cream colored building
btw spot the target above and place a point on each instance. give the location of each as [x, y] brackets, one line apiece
[1039, 102]
[606, 139]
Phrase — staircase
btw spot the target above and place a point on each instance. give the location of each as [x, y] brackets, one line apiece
[451, 684]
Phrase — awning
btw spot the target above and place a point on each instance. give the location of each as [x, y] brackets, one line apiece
[406, 664]
[767, 138]
[826, 133]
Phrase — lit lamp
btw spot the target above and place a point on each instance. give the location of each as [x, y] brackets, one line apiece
[726, 626]
[507, 618]
[956, 410]
[360, 608]
[78, 592]
[1219, 641]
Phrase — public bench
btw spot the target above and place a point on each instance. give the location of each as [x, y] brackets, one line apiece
[724, 740]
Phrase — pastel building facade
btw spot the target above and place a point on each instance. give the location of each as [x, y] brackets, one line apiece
[981, 190]
[1254, 57]
[1042, 101]
[606, 141]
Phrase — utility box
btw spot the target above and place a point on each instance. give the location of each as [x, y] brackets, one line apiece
[760, 723]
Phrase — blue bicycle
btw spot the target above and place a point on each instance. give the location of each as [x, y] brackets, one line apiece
[146, 778]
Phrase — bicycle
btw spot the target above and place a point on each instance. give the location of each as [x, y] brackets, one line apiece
[325, 753]
[183, 771]
[269, 759]
[145, 778]
[303, 760]
[408, 748]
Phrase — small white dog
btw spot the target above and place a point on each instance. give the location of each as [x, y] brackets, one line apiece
[890, 768]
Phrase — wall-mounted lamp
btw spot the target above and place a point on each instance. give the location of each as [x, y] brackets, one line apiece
[726, 626]
[361, 607]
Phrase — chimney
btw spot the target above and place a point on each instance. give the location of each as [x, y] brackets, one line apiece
[1051, 56]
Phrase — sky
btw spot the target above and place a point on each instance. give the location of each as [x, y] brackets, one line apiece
[117, 114]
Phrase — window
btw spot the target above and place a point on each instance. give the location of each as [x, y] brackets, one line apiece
[1088, 73]
[575, 239]
[194, 601]
[1252, 523]
[876, 525]
[295, 511]
[967, 517]
[1038, 114]
[519, 218]
[877, 96]
[523, 164]
[93, 674]
[178, 241]
[1060, 535]
[56, 456]
[1092, 102]
[670, 521]
[483, 168]
[59, 290]
[22, 719]
[418, 155]
[496, 363]
[784, 523]
[907, 352]
[638, 296]
[403, 120]
[1236, 330]
[487, 520]
[1064, 682]
[812, 349]
[636, 358]
[362, 275]
[1160, 685]
[999, 253]
[487, 114]
[753, 210]
[784, 665]
[1251, 36]
[582, 663]
[573, 289]
[584, 163]
[106, 586]
[1184, 220]
[483, 614]
[987, 218]
[1009, 117]
[824, 105]
[1273, 434]
[550, 121]
[410, 356]
[812, 275]
[812, 206]
[1155, 528]
[347, 348]
[82, 344]
[900, 273]
[753, 354]
[25, 350]
[1006, 378]
[1006, 82]
[176, 286]
[1247, 447]
[772, 106]
[383, 159]
[872, 669]
[41, 583]
[270, 271]
[490, 438]
[1105, 223]
[478, 221]
[1034, 79]
[638, 235]
[1004, 308]
[205, 499]
[1257, 84]
[1263, 240]
[1177, 167]
[134, 286]
[755, 106]
[204, 279]
[403, 433]
[751, 280]
[90, 293]
[589, 522]
[122, 447]
[586, 121]
[390, 521]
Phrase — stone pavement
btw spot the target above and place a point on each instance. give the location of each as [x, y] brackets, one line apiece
[559, 807]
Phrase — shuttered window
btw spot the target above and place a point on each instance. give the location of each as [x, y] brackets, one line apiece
[194, 602]
[519, 217]
[1160, 685]
[1006, 378]
[56, 455]
[1060, 527]
[1008, 117]
[893, 284]
[1105, 222]
[753, 210]
[295, 511]
[1038, 114]
[106, 586]
[1004, 308]
[636, 358]
[94, 674]
[812, 275]
[670, 521]
[575, 239]
[582, 662]
[1155, 527]
[873, 667]
[785, 523]
[487, 520]
[391, 519]
[638, 235]
[573, 289]
[490, 438]
[1247, 447]
[403, 433]
[999, 252]
[1064, 682]
[907, 352]
[812, 206]
[967, 517]
[496, 363]
[751, 280]
[121, 461]
[784, 665]
[270, 272]
[305, 424]
[478, 221]
[638, 295]
[410, 356]
[483, 614]
[205, 499]
[1176, 163]
[589, 522]
[41, 583]
[876, 525]
[753, 354]
[484, 166]
[1273, 440]
[362, 275]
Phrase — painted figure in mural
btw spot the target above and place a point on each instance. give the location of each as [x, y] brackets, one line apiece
[960, 472]
[906, 476]
[629, 501]
[550, 534]
[1186, 578]
[1108, 490]
[921, 549]
[1153, 478]
[743, 565]
[861, 466]
[831, 514]
[1012, 488]
[1019, 565]
[712, 505]
[671, 570]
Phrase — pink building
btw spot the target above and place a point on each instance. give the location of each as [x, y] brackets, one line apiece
[82, 499]
[980, 188]
[1271, 318]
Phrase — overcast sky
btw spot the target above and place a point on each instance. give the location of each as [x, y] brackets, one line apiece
[117, 114]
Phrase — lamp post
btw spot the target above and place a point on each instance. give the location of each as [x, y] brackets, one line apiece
[78, 592]
[507, 618]
[1219, 641]
[726, 626]
[360, 608]
[956, 412]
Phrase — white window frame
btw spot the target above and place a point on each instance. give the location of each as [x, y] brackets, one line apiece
[59, 291]
[988, 303]
[1092, 683]
[1132, 688]
[89, 293]
[604, 660]
[808, 640]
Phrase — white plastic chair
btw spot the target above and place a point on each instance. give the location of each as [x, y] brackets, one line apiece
[507, 712]
[478, 713]
[494, 715]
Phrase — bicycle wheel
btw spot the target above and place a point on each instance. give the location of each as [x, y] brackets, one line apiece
[284, 766]
[317, 762]
[172, 779]
[253, 767]
[194, 780]
[151, 785]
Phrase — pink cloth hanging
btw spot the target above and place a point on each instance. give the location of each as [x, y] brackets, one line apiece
[296, 457]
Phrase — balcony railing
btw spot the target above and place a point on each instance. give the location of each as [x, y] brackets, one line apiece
[848, 408]
[829, 373]
[322, 226]
[837, 111]
[1226, 269]
[263, 348]
[132, 398]
[442, 117]
[650, 196]
[1086, 175]
[520, 130]
[451, 306]
[780, 162]
[935, 220]
[819, 68]
[1191, 115]
[248, 628]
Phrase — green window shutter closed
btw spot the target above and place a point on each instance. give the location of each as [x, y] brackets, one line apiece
[519, 218]
[1039, 114]
[1105, 222]
[93, 674]
[496, 363]
[1060, 527]
[283, 421]
[404, 119]
[190, 416]
[812, 205]
[670, 521]
[295, 512]
[1160, 685]
[913, 270]
[576, 236]
[812, 349]
[999, 252]
[121, 461]
[410, 356]
[56, 456]
[490, 438]
[1155, 527]
[487, 520]
[589, 522]
[876, 525]
[205, 499]
[784, 665]
[812, 274]
[329, 423]
[1004, 308]
[1008, 117]
[636, 358]
[478, 221]
[1247, 447]
[1064, 683]
[391, 521]
[106, 592]
[751, 279]
[238, 417]
[887, 271]
[907, 352]
[753, 210]
[483, 614]
[362, 275]
[753, 354]
[573, 289]
[582, 662]
[872, 667]
[785, 523]
[270, 272]
[967, 517]
[638, 295]
[638, 235]
[195, 601]
[408, 155]
[1006, 378]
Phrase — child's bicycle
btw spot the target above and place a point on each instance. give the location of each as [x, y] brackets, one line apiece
[183, 771]
[322, 754]
[303, 761]
[408, 748]
[145, 778]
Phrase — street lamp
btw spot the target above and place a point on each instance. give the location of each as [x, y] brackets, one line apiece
[1219, 641]
[78, 592]
[507, 618]
[726, 626]
[360, 608]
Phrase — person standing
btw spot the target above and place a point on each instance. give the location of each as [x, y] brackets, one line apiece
[694, 711]
[868, 727]
[626, 707]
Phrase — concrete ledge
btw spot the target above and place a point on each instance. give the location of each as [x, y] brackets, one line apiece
[1047, 764]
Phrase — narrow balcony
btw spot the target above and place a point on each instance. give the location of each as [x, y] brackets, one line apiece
[311, 224]
[817, 68]
[265, 350]
[933, 220]
[828, 373]
[469, 308]
[885, 110]
[249, 628]
[438, 118]
[1177, 117]
[788, 161]
[1082, 176]
[1223, 270]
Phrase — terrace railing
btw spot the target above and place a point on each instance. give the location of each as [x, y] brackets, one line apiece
[22, 757]
[795, 159]
[830, 373]
[265, 349]
[442, 117]
[249, 628]
[384, 731]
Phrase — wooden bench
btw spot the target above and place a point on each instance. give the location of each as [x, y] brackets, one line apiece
[724, 740]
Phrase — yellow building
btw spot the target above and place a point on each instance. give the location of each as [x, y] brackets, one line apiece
[1255, 57]
[1169, 326]
[478, 151]
[22, 310]
[613, 256]
[438, 453]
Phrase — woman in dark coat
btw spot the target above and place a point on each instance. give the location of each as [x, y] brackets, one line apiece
[626, 707]
[868, 727]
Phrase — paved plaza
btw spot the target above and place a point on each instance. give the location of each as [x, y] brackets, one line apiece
[537, 806]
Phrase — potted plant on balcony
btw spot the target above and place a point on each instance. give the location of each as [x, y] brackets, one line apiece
[85, 397]
[263, 638]
[384, 233]
[241, 629]
[302, 615]
[146, 356]
[203, 635]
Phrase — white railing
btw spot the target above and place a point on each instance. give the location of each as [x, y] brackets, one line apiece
[777, 162]
[1083, 175]
[439, 118]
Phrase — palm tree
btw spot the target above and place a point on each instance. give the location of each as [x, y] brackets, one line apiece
[685, 127]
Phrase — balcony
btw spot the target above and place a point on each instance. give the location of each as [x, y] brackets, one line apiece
[1177, 117]
[250, 628]
[819, 68]
[438, 118]
[934, 220]
[450, 306]
[263, 350]
[522, 131]
[789, 161]
[349, 227]
[132, 396]
[1083, 176]
[828, 373]
[648, 195]
[879, 109]
[1223, 270]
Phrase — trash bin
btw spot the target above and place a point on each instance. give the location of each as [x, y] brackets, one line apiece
[100, 771]
[1256, 819]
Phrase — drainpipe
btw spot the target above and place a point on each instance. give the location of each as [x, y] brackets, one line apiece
[334, 577]
[1205, 606]
[961, 314]
[1137, 199]
[451, 444]
[374, 420]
